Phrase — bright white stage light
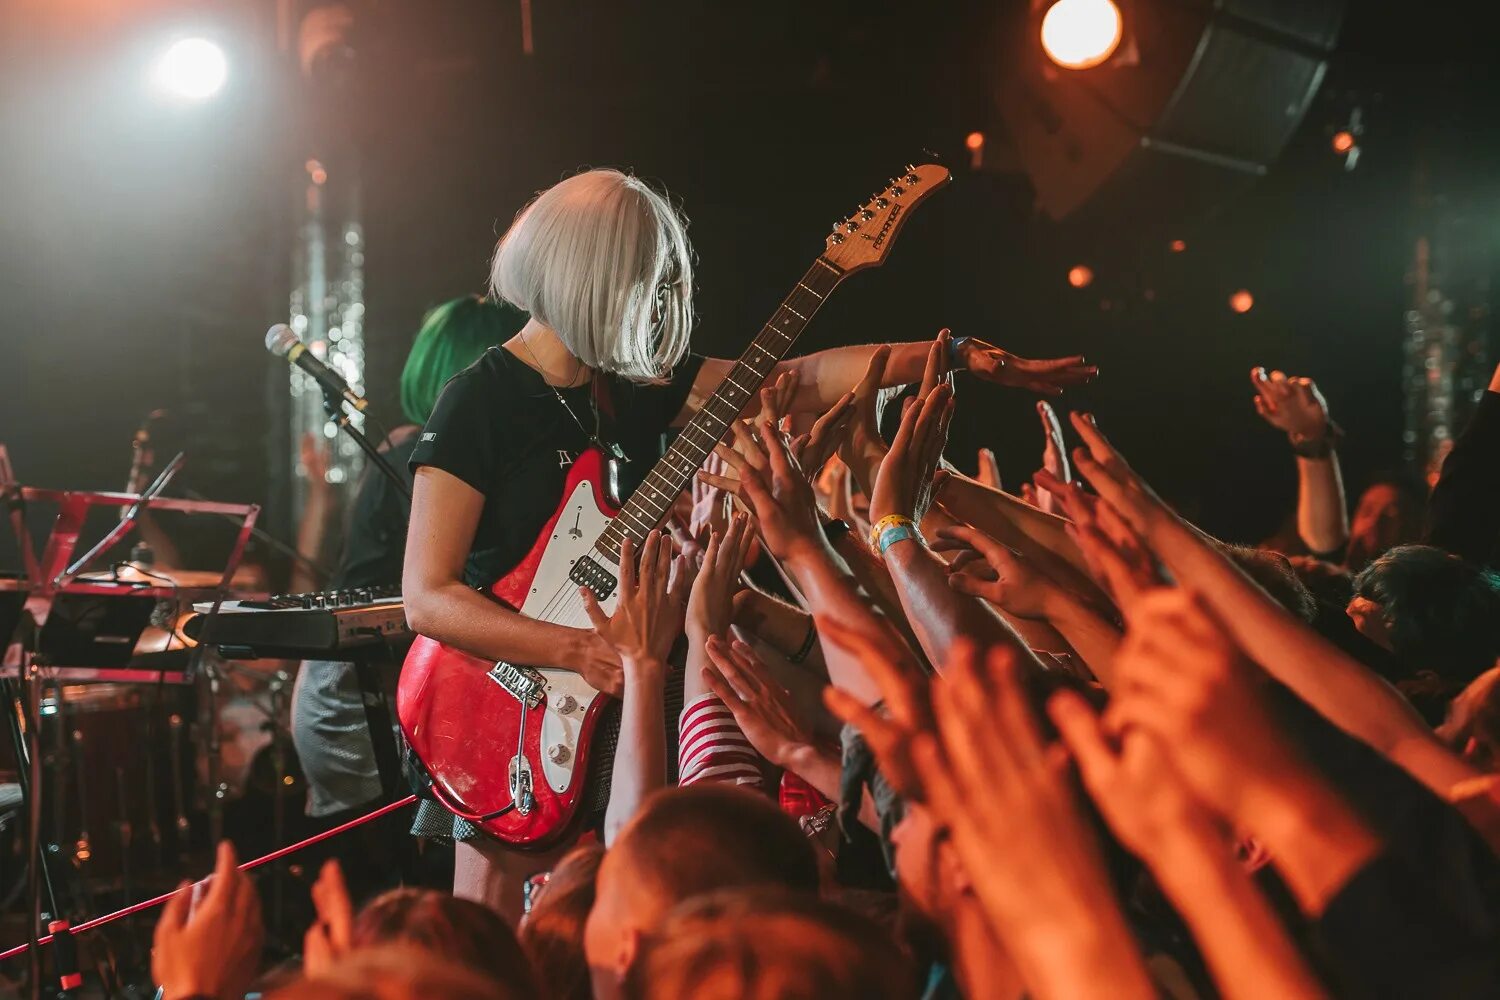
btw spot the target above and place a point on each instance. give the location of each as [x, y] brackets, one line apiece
[193, 68]
[1078, 34]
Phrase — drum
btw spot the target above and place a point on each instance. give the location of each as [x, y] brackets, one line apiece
[118, 770]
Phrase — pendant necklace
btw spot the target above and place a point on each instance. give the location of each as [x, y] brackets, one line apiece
[613, 450]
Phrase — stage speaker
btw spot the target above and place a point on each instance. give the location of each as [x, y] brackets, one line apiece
[1197, 101]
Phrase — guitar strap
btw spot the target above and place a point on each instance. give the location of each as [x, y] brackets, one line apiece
[604, 405]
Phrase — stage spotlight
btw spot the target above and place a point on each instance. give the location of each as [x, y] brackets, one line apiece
[1241, 301]
[1177, 246]
[1078, 34]
[1080, 276]
[193, 68]
[1343, 141]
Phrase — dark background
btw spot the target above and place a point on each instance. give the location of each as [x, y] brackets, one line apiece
[144, 249]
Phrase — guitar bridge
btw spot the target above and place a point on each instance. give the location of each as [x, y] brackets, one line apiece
[587, 573]
[522, 683]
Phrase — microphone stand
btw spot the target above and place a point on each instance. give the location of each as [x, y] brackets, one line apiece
[333, 405]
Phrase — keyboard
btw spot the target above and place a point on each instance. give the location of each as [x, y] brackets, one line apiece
[334, 624]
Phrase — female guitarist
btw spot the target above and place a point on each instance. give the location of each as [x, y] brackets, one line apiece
[602, 264]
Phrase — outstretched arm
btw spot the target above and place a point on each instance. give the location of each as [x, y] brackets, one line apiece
[825, 376]
[1337, 686]
[647, 621]
[1295, 405]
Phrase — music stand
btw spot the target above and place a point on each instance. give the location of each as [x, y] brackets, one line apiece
[48, 578]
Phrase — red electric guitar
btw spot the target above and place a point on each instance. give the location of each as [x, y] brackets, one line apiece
[510, 746]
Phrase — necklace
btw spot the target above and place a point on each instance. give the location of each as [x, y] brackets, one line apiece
[594, 406]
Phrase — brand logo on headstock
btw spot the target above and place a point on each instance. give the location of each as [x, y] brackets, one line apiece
[885, 230]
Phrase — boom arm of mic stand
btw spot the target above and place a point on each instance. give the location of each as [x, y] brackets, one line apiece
[333, 403]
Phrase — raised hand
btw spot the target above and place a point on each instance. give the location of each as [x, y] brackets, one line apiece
[649, 614]
[813, 449]
[331, 935]
[1021, 834]
[314, 458]
[987, 471]
[776, 399]
[862, 447]
[770, 483]
[710, 606]
[1048, 377]
[1114, 479]
[762, 707]
[1132, 780]
[1054, 456]
[1293, 405]
[985, 568]
[906, 707]
[211, 949]
[1181, 677]
[904, 483]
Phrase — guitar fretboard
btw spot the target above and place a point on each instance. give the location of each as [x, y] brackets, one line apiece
[672, 474]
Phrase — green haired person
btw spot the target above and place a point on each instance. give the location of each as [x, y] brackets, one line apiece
[452, 337]
[328, 717]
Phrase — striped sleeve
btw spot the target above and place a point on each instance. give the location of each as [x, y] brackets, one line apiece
[711, 746]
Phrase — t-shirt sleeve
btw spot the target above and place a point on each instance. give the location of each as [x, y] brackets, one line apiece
[460, 435]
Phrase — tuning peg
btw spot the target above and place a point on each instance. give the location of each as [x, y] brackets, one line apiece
[837, 237]
[882, 203]
[912, 178]
[867, 215]
[897, 190]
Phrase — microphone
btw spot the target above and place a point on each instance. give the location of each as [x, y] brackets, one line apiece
[282, 342]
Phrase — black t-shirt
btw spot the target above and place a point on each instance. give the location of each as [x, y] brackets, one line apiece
[376, 539]
[501, 429]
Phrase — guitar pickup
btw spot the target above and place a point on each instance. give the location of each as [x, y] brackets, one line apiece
[587, 573]
[524, 684]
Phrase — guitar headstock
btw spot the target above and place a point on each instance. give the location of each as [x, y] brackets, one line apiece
[864, 239]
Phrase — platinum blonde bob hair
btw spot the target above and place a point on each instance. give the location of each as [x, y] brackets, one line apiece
[604, 261]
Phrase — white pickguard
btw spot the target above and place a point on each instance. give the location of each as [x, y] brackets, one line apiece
[577, 528]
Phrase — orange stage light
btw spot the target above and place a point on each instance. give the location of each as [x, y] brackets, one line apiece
[974, 140]
[1078, 34]
[1241, 301]
[1080, 276]
[1343, 141]
[1177, 246]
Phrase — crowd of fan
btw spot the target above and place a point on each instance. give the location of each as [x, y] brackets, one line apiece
[1055, 744]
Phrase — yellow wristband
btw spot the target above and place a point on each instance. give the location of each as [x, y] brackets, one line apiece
[889, 521]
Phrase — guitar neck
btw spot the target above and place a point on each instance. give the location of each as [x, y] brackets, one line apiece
[673, 473]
